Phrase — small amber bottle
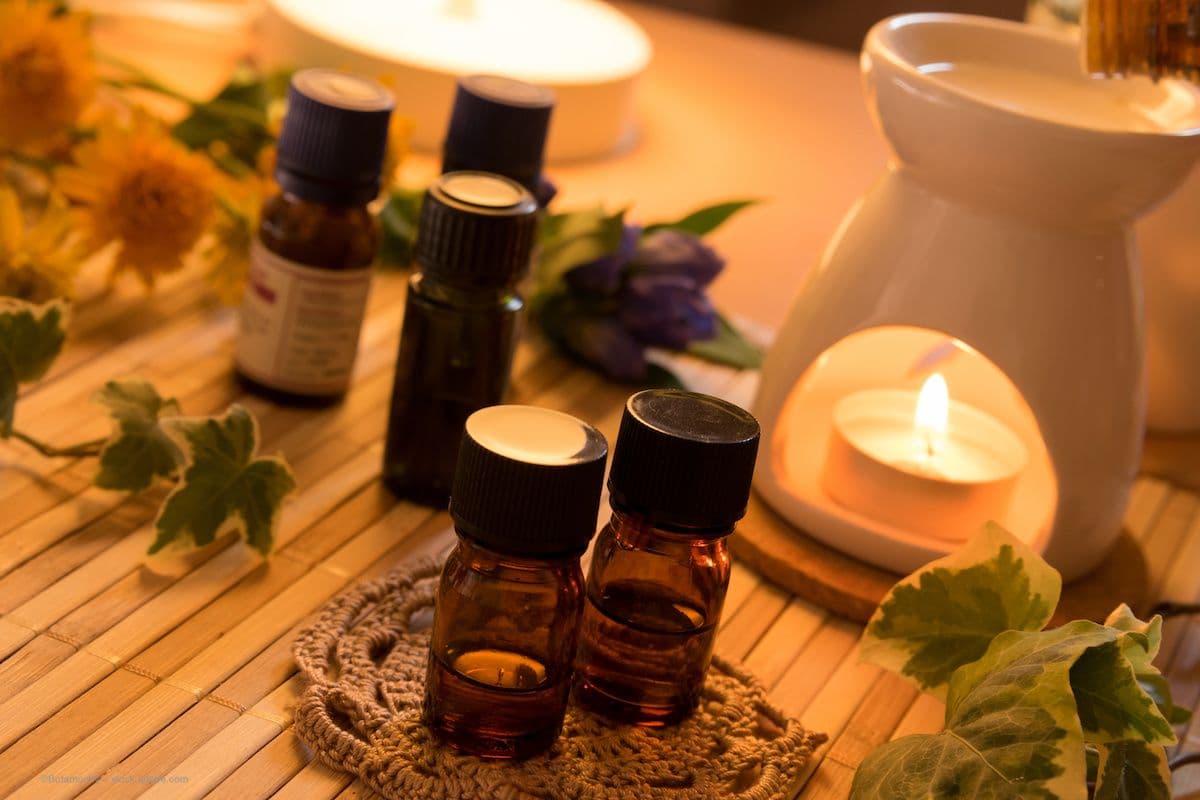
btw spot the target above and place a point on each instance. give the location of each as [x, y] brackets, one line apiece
[460, 325]
[680, 480]
[526, 494]
[1157, 38]
[310, 266]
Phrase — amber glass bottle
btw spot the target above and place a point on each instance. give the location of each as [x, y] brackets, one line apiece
[526, 494]
[1143, 37]
[460, 325]
[680, 480]
[310, 266]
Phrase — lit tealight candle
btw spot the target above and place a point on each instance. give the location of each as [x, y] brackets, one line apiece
[920, 461]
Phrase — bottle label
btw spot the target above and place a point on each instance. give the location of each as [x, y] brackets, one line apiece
[300, 324]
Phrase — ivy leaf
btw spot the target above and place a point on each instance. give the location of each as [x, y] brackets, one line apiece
[1011, 727]
[139, 450]
[1133, 771]
[226, 486]
[705, 220]
[574, 238]
[31, 337]
[399, 220]
[946, 614]
[1112, 706]
[1141, 657]
[728, 347]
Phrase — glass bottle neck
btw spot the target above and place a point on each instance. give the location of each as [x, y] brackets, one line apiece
[481, 556]
[1156, 38]
[440, 291]
[630, 528]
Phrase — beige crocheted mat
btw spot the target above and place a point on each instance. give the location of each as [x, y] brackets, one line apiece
[364, 661]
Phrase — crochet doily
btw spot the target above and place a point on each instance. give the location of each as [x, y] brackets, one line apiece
[360, 711]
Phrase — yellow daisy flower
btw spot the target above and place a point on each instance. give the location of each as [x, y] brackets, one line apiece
[38, 259]
[227, 254]
[47, 74]
[144, 190]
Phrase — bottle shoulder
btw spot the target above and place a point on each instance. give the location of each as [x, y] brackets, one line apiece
[319, 235]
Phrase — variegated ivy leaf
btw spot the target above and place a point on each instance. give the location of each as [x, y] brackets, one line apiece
[139, 449]
[31, 337]
[1133, 771]
[1151, 680]
[1112, 705]
[1012, 730]
[226, 485]
[946, 614]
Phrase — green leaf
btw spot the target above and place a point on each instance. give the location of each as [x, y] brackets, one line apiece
[226, 486]
[1011, 727]
[728, 347]
[399, 220]
[1112, 706]
[1142, 654]
[237, 116]
[946, 614]
[1133, 771]
[31, 337]
[659, 377]
[574, 238]
[703, 221]
[139, 450]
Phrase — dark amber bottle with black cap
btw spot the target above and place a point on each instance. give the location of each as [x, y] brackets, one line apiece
[311, 263]
[460, 325]
[500, 125]
[680, 481]
[526, 494]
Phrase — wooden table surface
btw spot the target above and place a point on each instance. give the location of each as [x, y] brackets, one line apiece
[119, 678]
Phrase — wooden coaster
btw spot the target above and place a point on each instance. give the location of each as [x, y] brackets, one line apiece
[850, 588]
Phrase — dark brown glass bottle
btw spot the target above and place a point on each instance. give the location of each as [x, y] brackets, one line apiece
[680, 480]
[1143, 37]
[460, 325]
[311, 264]
[525, 498]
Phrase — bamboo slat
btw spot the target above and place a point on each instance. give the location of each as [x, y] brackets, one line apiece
[119, 676]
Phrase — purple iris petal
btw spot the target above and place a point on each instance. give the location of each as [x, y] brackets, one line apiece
[546, 190]
[666, 310]
[602, 342]
[675, 251]
[603, 275]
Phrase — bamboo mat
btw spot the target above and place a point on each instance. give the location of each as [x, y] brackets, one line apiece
[118, 681]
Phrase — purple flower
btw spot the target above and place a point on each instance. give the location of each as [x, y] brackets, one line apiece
[666, 310]
[603, 342]
[603, 275]
[676, 252]
[546, 190]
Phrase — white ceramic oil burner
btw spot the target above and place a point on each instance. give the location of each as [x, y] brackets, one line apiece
[970, 346]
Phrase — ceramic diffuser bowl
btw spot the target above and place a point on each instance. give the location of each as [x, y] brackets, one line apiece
[996, 249]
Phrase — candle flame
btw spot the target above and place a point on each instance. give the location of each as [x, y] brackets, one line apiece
[933, 414]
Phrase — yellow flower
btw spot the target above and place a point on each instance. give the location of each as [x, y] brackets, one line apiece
[399, 133]
[46, 71]
[38, 259]
[227, 255]
[144, 190]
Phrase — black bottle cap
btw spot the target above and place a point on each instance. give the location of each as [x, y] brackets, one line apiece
[683, 461]
[334, 137]
[528, 481]
[476, 230]
[499, 125]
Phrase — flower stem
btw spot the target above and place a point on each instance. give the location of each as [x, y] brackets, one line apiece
[1168, 609]
[42, 164]
[140, 79]
[1184, 760]
[80, 450]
